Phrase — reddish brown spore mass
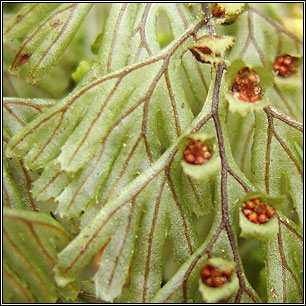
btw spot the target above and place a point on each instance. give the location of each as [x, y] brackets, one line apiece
[284, 65]
[218, 12]
[24, 59]
[197, 153]
[247, 86]
[257, 211]
[201, 50]
[214, 277]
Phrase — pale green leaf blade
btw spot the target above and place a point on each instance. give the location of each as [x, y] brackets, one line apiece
[115, 45]
[273, 152]
[27, 18]
[18, 112]
[146, 273]
[72, 259]
[75, 154]
[31, 243]
[17, 178]
[51, 86]
[15, 290]
[285, 265]
[11, 196]
[44, 46]
[183, 286]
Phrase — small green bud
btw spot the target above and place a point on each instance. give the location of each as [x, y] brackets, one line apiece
[82, 69]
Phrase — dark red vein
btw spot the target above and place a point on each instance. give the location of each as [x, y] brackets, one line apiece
[18, 55]
[38, 108]
[112, 189]
[207, 250]
[119, 19]
[239, 180]
[224, 172]
[196, 195]
[183, 17]
[29, 182]
[287, 104]
[49, 139]
[277, 114]
[180, 210]
[28, 263]
[275, 134]
[121, 246]
[135, 192]
[14, 115]
[17, 285]
[268, 155]
[120, 74]
[51, 181]
[285, 266]
[245, 146]
[38, 223]
[288, 153]
[98, 115]
[291, 229]
[64, 27]
[43, 250]
[173, 104]
[141, 29]
[150, 241]
[124, 116]
[21, 17]
[6, 194]
[34, 128]
[276, 25]
[251, 31]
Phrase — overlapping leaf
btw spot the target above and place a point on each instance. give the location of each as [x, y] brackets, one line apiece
[17, 179]
[31, 243]
[26, 19]
[15, 86]
[43, 47]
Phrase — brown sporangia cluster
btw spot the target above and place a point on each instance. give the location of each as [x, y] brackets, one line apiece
[217, 11]
[197, 53]
[284, 65]
[257, 211]
[246, 86]
[24, 59]
[214, 277]
[197, 153]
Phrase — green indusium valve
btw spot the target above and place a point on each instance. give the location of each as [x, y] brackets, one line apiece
[218, 280]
